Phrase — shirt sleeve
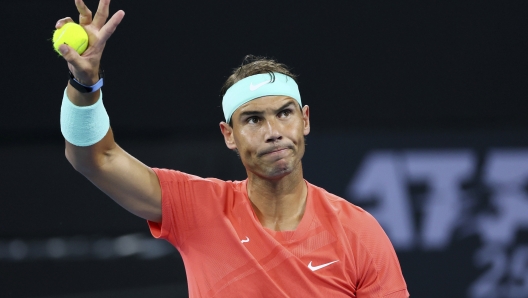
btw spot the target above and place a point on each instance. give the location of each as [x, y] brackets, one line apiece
[187, 201]
[380, 273]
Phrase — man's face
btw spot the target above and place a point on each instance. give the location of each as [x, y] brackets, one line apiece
[268, 133]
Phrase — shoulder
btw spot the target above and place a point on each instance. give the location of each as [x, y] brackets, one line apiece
[348, 213]
[358, 224]
[167, 176]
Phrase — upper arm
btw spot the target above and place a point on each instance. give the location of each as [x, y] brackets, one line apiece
[130, 183]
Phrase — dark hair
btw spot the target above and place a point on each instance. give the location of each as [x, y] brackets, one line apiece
[252, 65]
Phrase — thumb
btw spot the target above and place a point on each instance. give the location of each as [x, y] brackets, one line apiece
[70, 55]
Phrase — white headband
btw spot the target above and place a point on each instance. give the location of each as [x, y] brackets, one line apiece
[256, 86]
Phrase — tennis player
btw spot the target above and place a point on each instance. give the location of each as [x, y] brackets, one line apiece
[271, 235]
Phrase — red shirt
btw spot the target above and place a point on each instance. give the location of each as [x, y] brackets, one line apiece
[338, 249]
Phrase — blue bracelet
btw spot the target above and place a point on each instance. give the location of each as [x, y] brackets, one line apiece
[87, 89]
[83, 126]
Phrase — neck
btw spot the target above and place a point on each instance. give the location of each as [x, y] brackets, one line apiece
[279, 204]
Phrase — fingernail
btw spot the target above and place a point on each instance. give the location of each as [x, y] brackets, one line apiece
[63, 49]
[57, 25]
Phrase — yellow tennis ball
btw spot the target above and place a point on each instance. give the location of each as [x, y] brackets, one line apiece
[73, 35]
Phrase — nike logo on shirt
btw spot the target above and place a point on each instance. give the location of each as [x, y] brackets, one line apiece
[244, 241]
[255, 87]
[314, 268]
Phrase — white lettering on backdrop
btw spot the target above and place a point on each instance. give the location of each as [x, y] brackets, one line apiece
[383, 182]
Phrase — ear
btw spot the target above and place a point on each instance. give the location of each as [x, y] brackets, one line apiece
[306, 119]
[229, 138]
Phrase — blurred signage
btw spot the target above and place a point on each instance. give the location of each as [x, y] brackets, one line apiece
[426, 200]
[85, 248]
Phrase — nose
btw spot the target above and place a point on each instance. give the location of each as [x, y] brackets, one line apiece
[273, 133]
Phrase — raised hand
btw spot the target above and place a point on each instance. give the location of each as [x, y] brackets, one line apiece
[85, 67]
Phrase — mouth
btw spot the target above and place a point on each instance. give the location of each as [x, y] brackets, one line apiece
[275, 150]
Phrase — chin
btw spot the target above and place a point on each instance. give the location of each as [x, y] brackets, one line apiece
[275, 170]
[278, 172]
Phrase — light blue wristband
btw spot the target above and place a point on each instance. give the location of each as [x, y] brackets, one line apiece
[83, 126]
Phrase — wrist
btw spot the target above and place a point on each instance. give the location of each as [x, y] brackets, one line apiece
[84, 78]
[86, 125]
[81, 99]
[87, 88]
[88, 81]
[87, 78]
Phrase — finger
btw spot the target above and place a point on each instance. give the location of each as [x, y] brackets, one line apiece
[70, 55]
[61, 22]
[102, 13]
[109, 28]
[85, 15]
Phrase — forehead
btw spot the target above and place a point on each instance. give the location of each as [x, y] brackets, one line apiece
[263, 103]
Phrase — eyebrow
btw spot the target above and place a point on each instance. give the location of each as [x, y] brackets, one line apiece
[256, 113]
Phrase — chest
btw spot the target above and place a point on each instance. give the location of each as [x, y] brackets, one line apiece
[311, 260]
[314, 250]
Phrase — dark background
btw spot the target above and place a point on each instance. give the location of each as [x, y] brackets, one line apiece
[385, 73]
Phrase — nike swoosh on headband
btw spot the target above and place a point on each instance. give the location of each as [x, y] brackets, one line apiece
[255, 87]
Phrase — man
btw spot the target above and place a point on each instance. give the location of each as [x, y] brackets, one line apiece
[271, 235]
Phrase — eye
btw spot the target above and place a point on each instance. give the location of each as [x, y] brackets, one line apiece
[252, 120]
[285, 113]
